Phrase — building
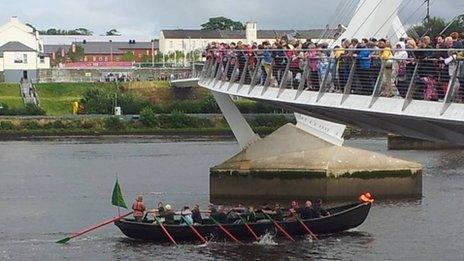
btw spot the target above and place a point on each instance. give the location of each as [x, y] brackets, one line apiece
[105, 53]
[190, 40]
[21, 52]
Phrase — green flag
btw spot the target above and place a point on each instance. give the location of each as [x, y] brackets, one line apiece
[117, 198]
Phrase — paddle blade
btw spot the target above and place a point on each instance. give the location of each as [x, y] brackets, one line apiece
[63, 241]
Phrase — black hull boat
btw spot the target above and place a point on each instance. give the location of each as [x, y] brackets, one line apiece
[340, 219]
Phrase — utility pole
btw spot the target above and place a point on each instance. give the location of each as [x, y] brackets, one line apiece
[427, 18]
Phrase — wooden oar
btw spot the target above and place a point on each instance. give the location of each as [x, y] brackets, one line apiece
[87, 230]
[195, 231]
[307, 228]
[280, 227]
[249, 228]
[225, 231]
[165, 231]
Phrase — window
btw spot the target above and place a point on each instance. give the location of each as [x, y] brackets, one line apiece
[100, 59]
[106, 59]
[42, 60]
[171, 43]
[24, 57]
[94, 58]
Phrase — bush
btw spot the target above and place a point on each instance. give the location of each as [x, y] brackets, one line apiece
[273, 121]
[101, 101]
[114, 123]
[7, 125]
[148, 118]
[179, 120]
[30, 125]
[209, 105]
[187, 106]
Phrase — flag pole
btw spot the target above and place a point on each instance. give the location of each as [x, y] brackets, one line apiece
[117, 180]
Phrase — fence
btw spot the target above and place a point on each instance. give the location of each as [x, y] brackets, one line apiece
[411, 74]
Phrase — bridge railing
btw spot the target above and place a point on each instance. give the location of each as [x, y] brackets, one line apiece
[412, 74]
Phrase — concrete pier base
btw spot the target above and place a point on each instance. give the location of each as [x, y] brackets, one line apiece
[293, 164]
[406, 143]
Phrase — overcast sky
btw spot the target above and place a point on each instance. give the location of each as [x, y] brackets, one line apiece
[143, 19]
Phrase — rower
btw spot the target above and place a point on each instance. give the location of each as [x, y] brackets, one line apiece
[320, 211]
[307, 212]
[139, 208]
[160, 209]
[196, 215]
[187, 214]
[168, 215]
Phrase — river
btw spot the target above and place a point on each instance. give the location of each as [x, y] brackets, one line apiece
[48, 189]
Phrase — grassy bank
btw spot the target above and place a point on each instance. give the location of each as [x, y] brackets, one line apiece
[10, 95]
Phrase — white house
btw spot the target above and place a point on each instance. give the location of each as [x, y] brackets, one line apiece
[191, 40]
[21, 52]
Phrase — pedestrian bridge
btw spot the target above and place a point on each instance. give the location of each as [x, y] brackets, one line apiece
[415, 97]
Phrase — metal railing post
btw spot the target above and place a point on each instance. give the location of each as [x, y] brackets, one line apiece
[452, 89]
[244, 73]
[323, 86]
[283, 79]
[378, 84]
[304, 79]
[349, 82]
[411, 88]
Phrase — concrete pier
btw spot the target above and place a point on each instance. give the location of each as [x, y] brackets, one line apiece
[293, 164]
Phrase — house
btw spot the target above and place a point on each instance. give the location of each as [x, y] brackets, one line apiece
[108, 53]
[21, 52]
[191, 40]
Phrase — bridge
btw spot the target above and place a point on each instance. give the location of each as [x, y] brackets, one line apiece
[416, 95]
[361, 99]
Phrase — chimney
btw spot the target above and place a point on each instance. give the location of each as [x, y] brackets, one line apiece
[14, 19]
[251, 32]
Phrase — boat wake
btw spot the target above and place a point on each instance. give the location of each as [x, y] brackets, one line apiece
[266, 240]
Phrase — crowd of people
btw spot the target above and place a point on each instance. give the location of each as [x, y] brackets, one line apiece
[427, 63]
[229, 215]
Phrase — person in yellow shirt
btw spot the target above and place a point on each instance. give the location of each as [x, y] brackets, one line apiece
[386, 55]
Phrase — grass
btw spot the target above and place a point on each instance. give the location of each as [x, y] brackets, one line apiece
[56, 98]
[10, 95]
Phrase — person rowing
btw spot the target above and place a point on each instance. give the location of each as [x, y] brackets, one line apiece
[186, 213]
[307, 212]
[139, 208]
[196, 215]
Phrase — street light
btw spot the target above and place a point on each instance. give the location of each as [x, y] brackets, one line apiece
[153, 53]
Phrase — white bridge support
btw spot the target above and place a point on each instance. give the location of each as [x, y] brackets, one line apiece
[242, 131]
[375, 18]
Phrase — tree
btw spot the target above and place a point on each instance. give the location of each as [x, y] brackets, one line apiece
[77, 55]
[222, 23]
[53, 31]
[113, 32]
[436, 26]
[128, 56]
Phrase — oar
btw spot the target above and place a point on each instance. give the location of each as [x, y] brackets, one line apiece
[280, 228]
[165, 231]
[306, 228]
[195, 231]
[225, 231]
[87, 230]
[249, 228]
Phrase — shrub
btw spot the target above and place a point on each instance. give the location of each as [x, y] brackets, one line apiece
[114, 123]
[209, 105]
[101, 101]
[33, 109]
[148, 117]
[30, 125]
[273, 121]
[7, 125]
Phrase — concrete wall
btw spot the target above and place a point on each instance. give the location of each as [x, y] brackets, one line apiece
[250, 187]
[95, 75]
[16, 75]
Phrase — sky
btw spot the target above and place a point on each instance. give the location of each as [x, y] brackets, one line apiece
[143, 19]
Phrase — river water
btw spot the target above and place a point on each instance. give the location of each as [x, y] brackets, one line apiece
[48, 189]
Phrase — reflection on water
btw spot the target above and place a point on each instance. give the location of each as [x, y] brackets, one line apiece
[51, 188]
